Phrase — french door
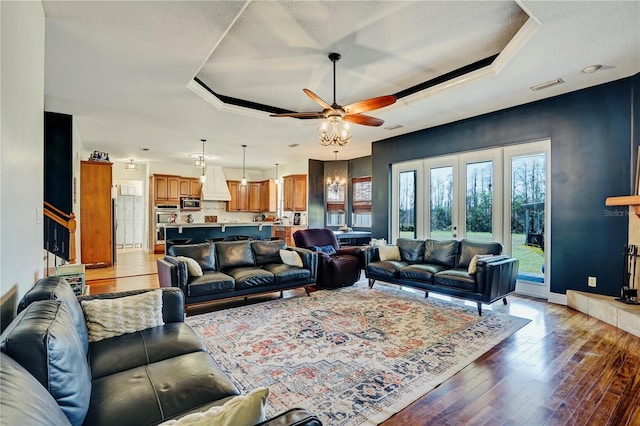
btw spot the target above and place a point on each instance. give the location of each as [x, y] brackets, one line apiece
[448, 197]
[527, 214]
[489, 195]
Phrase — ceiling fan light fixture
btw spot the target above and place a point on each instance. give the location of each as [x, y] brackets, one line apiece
[334, 131]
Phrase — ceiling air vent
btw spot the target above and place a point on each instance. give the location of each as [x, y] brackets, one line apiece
[393, 127]
[547, 84]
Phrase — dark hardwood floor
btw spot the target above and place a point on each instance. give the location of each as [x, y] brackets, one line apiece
[563, 368]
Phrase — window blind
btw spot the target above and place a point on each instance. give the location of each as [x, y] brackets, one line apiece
[362, 194]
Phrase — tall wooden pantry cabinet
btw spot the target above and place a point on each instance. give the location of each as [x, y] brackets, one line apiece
[96, 215]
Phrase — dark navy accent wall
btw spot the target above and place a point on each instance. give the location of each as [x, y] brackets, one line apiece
[591, 140]
[315, 194]
[358, 167]
[58, 153]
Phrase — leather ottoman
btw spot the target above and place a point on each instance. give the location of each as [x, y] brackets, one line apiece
[344, 270]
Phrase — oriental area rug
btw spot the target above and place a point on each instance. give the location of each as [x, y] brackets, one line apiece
[353, 356]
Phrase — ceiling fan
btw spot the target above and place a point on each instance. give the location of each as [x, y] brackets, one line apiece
[351, 112]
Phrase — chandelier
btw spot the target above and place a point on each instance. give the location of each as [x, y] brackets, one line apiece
[335, 183]
[334, 131]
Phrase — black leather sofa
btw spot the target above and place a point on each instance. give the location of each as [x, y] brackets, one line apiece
[235, 268]
[443, 267]
[51, 375]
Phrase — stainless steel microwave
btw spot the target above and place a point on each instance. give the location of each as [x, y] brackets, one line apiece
[189, 203]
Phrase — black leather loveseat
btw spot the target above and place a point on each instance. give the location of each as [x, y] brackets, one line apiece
[50, 374]
[444, 267]
[235, 268]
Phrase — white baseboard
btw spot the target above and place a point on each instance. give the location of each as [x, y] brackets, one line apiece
[557, 298]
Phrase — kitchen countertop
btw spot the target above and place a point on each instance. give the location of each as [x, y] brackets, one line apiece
[222, 226]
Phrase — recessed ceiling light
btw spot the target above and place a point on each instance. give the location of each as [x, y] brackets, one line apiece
[547, 84]
[144, 149]
[591, 69]
[293, 145]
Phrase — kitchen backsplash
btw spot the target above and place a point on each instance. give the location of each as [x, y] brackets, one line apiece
[216, 208]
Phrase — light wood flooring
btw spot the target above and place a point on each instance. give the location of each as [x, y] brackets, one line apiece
[563, 368]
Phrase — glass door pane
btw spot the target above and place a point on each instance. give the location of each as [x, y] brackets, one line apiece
[479, 201]
[441, 225]
[528, 194]
[407, 204]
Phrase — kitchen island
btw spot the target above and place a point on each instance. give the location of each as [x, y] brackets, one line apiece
[201, 232]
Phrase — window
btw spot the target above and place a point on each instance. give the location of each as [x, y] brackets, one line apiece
[335, 206]
[362, 202]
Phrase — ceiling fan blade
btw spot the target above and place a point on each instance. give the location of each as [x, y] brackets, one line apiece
[370, 104]
[299, 114]
[317, 99]
[363, 119]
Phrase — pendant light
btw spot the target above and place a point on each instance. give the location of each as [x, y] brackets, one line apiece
[277, 180]
[243, 182]
[130, 165]
[203, 178]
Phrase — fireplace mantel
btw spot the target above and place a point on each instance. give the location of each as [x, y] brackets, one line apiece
[627, 200]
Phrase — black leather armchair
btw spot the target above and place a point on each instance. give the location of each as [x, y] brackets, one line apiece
[338, 268]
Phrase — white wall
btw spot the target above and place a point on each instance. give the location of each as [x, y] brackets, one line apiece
[21, 144]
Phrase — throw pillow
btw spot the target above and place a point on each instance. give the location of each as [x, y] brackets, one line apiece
[329, 249]
[192, 266]
[290, 257]
[389, 252]
[474, 262]
[114, 317]
[238, 411]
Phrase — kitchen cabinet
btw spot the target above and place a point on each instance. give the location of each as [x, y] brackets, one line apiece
[295, 192]
[268, 196]
[190, 187]
[285, 233]
[239, 197]
[166, 189]
[96, 214]
[256, 197]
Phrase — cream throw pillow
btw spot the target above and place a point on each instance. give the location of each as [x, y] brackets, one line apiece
[473, 265]
[246, 410]
[389, 252]
[192, 266]
[290, 258]
[114, 317]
